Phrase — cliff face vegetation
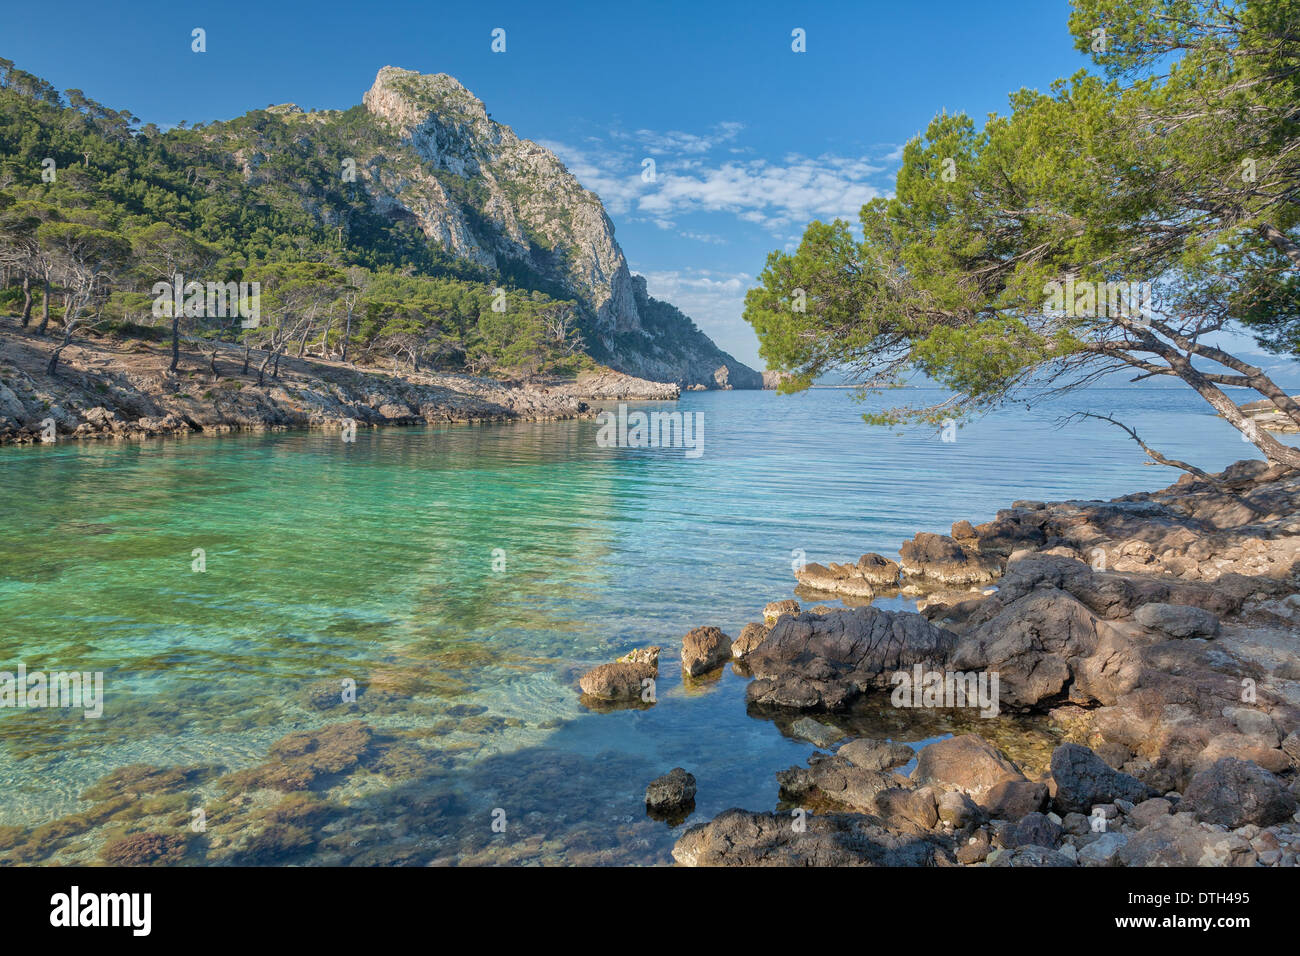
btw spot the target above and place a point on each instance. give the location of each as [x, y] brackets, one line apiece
[412, 230]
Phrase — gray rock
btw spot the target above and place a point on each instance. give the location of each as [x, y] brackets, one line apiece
[674, 791]
[1148, 811]
[1083, 779]
[1034, 829]
[1178, 840]
[1076, 824]
[1254, 723]
[815, 732]
[742, 838]
[876, 754]
[1291, 747]
[1103, 851]
[835, 779]
[1235, 792]
[1037, 856]
[1178, 620]
[814, 662]
[937, 557]
[878, 571]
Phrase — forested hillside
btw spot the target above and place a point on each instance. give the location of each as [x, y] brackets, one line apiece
[383, 234]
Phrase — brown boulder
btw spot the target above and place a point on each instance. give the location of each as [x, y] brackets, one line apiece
[1013, 799]
[968, 762]
[704, 649]
[751, 635]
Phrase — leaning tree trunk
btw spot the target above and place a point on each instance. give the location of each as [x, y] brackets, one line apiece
[58, 351]
[212, 364]
[261, 369]
[275, 369]
[176, 342]
[1274, 451]
[347, 334]
[27, 299]
[45, 310]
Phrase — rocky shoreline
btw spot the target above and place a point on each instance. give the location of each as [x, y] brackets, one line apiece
[1157, 633]
[1265, 414]
[122, 390]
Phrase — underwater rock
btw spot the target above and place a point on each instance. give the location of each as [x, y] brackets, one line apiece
[303, 759]
[671, 793]
[815, 732]
[875, 754]
[137, 778]
[145, 849]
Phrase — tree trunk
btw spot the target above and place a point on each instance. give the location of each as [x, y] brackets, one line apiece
[302, 343]
[45, 310]
[261, 369]
[1281, 242]
[176, 341]
[275, 369]
[1276, 452]
[54, 356]
[212, 364]
[347, 334]
[27, 299]
[247, 351]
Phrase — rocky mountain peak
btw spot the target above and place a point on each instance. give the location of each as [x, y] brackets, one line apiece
[485, 194]
[406, 98]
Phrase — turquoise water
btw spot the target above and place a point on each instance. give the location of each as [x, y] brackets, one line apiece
[377, 561]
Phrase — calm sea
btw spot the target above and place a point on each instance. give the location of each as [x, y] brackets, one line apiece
[463, 577]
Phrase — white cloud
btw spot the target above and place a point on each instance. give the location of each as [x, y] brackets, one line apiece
[773, 194]
[796, 190]
[675, 141]
[708, 237]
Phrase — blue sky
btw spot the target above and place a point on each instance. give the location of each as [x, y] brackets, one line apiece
[750, 139]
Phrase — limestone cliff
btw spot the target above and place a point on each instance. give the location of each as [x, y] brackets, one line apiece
[483, 194]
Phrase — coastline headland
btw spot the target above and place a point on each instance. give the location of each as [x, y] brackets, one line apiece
[122, 390]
